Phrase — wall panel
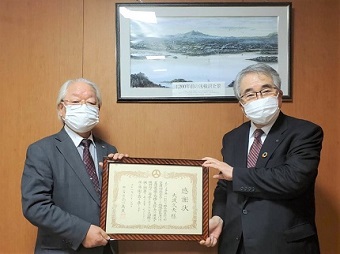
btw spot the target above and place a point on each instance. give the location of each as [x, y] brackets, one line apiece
[41, 46]
[44, 43]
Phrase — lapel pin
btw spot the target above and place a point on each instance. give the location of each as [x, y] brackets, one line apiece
[264, 155]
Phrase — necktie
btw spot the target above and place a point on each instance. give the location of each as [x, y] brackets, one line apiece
[89, 164]
[255, 148]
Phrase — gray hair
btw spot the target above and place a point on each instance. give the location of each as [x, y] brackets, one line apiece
[256, 68]
[65, 86]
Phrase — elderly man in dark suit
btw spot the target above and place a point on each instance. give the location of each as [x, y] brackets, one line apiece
[264, 199]
[59, 196]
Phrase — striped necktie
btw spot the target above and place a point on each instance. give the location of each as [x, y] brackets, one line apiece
[89, 164]
[255, 148]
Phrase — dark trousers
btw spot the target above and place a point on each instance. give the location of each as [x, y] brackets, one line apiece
[240, 249]
[111, 248]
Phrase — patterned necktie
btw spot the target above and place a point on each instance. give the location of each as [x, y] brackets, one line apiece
[89, 164]
[255, 148]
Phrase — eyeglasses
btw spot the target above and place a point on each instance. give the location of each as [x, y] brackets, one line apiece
[79, 103]
[265, 92]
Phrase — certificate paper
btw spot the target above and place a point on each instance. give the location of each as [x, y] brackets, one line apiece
[155, 199]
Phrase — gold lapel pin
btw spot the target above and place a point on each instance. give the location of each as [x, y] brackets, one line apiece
[264, 155]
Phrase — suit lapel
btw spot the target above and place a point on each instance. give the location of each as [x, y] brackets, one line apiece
[101, 153]
[71, 155]
[242, 143]
[273, 140]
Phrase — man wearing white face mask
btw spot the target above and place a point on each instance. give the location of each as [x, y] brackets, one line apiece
[60, 192]
[264, 198]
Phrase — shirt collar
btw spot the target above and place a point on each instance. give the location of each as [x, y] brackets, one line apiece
[76, 138]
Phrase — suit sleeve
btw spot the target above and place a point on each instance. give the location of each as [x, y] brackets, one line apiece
[37, 200]
[291, 170]
[220, 199]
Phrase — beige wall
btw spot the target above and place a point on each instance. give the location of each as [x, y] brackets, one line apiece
[44, 43]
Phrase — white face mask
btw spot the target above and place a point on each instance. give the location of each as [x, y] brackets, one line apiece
[81, 118]
[262, 111]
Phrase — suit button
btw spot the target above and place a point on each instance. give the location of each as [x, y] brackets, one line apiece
[237, 239]
[244, 211]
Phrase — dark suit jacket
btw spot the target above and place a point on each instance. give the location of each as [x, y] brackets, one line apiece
[271, 205]
[57, 195]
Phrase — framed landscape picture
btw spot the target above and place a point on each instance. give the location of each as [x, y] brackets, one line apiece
[192, 52]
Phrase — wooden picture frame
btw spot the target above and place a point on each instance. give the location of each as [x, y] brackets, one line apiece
[155, 199]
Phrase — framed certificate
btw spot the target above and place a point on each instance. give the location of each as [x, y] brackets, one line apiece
[155, 199]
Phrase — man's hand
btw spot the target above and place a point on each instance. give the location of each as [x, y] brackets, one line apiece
[95, 237]
[117, 156]
[215, 229]
[225, 169]
[114, 157]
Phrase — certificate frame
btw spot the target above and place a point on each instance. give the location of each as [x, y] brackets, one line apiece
[174, 214]
[191, 52]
